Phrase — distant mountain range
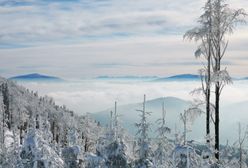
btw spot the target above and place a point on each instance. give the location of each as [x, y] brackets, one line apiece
[179, 77]
[245, 78]
[152, 78]
[36, 77]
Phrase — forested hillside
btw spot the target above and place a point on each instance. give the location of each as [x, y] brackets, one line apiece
[37, 133]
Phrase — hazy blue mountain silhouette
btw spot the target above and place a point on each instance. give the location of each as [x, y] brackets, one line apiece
[35, 77]
[179, 77]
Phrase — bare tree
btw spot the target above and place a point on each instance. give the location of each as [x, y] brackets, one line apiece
[203, 33]
[224, 21]
[188, 117]
[217, 21]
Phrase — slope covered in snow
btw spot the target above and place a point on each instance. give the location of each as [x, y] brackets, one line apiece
[35, 132]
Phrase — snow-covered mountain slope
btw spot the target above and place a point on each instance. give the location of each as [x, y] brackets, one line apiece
[34, 131]
[21, 101]
[174, 106]
[129, 116]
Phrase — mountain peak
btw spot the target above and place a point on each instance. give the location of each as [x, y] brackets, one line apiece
[184, 76]
[35, 76]
[180, 77]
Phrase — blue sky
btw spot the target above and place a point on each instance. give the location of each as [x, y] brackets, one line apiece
[87, 38]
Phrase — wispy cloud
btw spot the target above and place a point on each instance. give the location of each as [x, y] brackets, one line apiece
[39, 22]
[79, 37]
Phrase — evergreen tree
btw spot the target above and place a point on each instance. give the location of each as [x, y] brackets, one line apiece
[162, 153]
[144, 147]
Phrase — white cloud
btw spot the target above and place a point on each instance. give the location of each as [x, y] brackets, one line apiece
[92, 96]
[38, 22]
[70, 37]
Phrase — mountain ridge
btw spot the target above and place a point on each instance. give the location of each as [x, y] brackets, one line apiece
[174, 106]
[35, 76]
[180, 77]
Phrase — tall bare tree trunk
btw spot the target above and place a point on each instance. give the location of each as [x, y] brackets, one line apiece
[208, 115]
[217, 106]
[217, 120]
[217, 84]
[208, 89]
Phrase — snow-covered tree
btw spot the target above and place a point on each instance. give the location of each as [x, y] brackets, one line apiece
[203, 33]
[112, 147]
[227, 157]
[114, 127]
[87, 135]
[2, 122]
[216, 23]
[184, 154]
[3, 150]
[116, 154]
[242, 137]
[185, 157]
[46, 129]
[144, 147]
[72, 135]
[188, 117]
[224, 21]
[164, 147]
[36, 152]
[71, 157]
[5, 95]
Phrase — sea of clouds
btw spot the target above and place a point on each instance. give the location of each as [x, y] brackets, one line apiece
[98, 95]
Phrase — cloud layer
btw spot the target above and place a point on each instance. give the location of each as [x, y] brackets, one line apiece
[94, 95]
[28, 22]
